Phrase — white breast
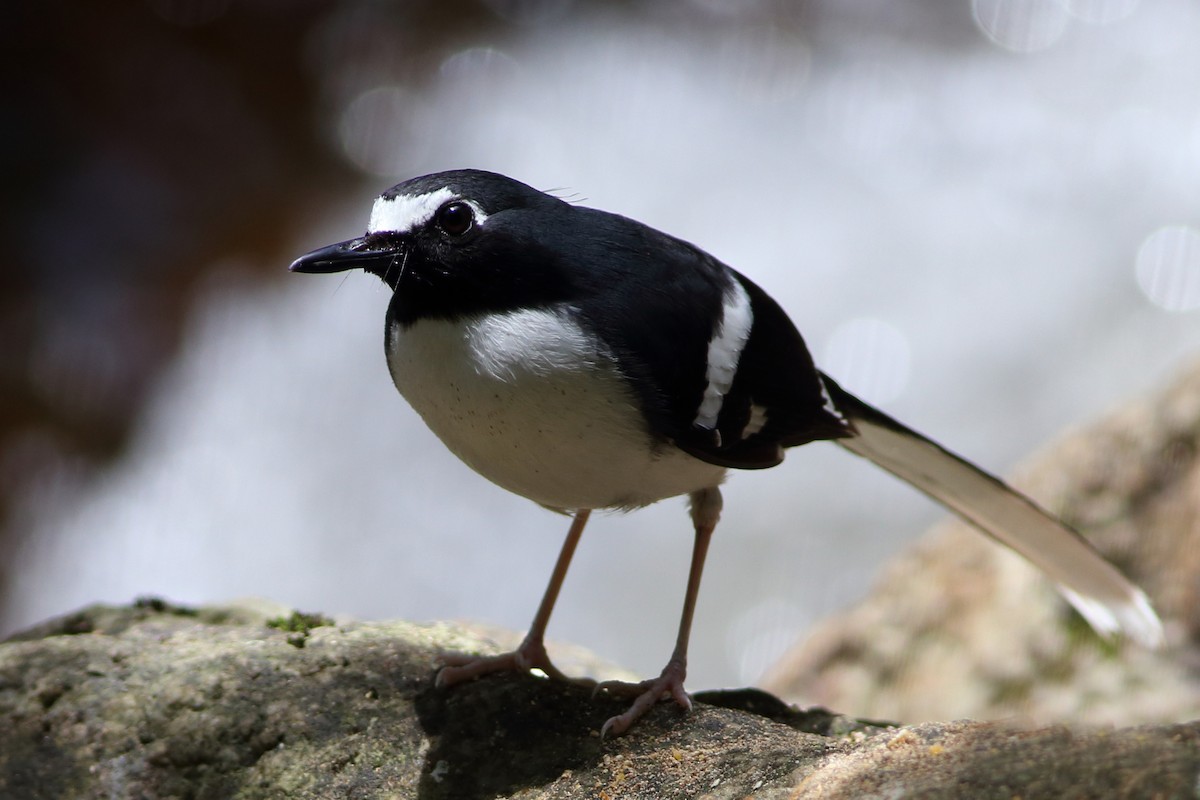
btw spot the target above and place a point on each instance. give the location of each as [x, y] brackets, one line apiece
[528, 400]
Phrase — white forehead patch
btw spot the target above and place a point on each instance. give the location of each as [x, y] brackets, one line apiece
[406, 212]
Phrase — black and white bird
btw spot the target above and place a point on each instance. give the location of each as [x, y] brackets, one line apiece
[586, 361]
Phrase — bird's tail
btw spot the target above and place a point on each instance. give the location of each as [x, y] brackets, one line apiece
[1105, 598]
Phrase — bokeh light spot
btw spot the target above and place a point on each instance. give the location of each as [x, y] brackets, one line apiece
[1168, 268]
[475, 63]
[385, 131]
[765, 64]
[1102, 12]
[1023, 26]
[763, 633]
[869, 357]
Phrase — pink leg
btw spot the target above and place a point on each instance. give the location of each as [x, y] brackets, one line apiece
[706, 510]
[531, 654]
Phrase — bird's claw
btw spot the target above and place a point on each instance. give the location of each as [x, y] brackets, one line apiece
[459, 667]
[530, 655]
[647, 693]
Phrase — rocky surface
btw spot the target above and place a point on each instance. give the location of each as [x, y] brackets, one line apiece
[154, 701]
[958, 627]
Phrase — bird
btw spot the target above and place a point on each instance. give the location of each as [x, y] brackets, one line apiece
[587, 361]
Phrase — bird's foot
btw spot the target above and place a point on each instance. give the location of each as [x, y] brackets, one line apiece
[667, 685]
[530, 655]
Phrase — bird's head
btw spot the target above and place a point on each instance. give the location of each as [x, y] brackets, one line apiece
[456, 242]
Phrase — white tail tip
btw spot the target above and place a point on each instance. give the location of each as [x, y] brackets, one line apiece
[1134, 617]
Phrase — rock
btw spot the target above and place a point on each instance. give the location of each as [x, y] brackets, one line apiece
[959, 627]
[157, 701]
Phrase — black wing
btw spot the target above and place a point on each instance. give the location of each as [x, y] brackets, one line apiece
[777, 399]
[657, 301]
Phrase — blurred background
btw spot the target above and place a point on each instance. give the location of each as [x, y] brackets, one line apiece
[984, 215]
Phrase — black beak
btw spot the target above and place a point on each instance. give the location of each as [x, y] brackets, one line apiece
[371, 253]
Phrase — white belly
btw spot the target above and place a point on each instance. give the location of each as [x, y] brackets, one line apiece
[528, 403]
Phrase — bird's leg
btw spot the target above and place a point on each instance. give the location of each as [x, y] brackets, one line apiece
[706, 510]
[531, 653]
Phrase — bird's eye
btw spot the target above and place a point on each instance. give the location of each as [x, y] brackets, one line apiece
[455, 218]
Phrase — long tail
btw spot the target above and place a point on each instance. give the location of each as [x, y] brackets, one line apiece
[1105, 598]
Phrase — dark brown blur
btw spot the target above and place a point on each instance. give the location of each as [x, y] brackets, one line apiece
[143, 142]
